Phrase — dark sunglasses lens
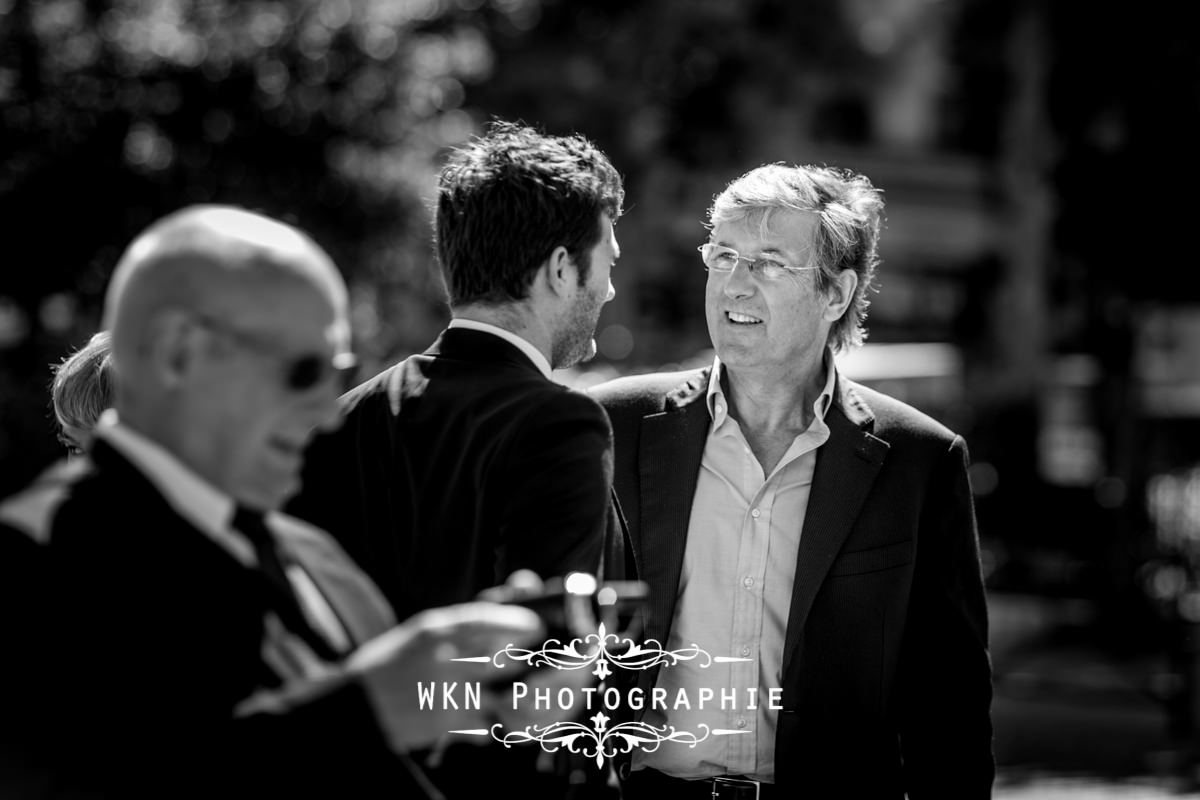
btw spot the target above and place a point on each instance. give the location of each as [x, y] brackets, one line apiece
[309, 371]
[306, 372]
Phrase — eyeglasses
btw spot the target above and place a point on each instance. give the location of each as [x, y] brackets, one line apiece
[300, 373]
[719, 258]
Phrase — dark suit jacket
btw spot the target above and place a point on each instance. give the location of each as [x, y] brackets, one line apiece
[140, 637]
[453, 469]
[886, 674]
[456, 467]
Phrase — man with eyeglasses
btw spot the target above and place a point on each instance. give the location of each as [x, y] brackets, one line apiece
[815, 534]
[178, 636]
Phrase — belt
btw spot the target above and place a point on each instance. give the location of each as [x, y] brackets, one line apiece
[654, 785]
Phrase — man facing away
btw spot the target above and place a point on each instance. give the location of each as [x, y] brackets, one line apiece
[175, 636]
[819, 533]
[459, 466]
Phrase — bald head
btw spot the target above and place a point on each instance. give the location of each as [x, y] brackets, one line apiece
[212, 311]
[215, 259]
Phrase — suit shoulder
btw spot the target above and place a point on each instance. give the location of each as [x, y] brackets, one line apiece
[550, 401]
[646, 393]
[896, 418]
[376, 388]
[32, 510]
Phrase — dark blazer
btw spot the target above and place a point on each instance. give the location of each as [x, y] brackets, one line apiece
[886, 674]
[141, 636]
[453, 469]
[456, 467]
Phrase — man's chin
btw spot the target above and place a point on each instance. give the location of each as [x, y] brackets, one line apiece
[579, 356]
[263, 497]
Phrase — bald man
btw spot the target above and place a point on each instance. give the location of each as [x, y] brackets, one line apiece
[186, 648]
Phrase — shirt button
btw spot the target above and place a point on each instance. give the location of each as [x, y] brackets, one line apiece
[745, 650]
[741, 723]
[748, 582]
[756, 513]
[720, 408]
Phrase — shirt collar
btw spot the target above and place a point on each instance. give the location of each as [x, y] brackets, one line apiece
[536, 356]
[718, 405]
[199, 502]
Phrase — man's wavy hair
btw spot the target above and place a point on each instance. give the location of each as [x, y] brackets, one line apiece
[850, 211]
[82, 386]
[507, 199]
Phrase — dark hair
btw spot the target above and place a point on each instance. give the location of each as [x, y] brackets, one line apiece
[508, 198]
[82, 386]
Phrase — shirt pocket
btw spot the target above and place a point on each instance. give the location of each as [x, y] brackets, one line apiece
[876, 559]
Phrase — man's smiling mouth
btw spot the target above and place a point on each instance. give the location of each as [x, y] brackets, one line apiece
[741, 319]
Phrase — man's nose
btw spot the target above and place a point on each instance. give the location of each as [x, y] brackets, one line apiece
[738, 282]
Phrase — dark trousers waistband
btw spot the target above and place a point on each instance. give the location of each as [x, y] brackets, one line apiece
[650, 784]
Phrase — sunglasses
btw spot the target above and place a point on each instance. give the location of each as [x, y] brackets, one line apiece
[301, 373]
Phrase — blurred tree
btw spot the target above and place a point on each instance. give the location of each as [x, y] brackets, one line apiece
[331, 114]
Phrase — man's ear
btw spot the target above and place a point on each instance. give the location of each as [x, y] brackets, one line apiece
[560, 273]
[172, 346]
[840, 294]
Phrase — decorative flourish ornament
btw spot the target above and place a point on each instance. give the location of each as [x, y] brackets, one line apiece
[600, 742]
[604, 649]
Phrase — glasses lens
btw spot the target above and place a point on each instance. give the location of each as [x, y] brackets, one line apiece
[719, 258]
[307, 372]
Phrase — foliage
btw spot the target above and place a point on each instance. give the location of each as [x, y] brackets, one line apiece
[332, 114]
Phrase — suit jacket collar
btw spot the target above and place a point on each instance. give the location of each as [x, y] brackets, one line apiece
[671, 446]
[321, 564]
[463, 344]
[205, 507]
[669, 439]
[847, 465]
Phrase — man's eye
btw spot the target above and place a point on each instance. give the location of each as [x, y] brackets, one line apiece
[769, 268]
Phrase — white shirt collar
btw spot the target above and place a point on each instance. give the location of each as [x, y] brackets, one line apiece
[195, 499]
[536, 356]
[718, 406]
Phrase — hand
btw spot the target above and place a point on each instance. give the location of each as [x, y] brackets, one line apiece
[419, 653]
[517, 695]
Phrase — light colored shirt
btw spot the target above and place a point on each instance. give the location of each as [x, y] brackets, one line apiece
[735, 591]
[536, 356]
[211, 511]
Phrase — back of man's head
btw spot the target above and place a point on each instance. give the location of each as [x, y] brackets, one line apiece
[226, 325]
[508, 198]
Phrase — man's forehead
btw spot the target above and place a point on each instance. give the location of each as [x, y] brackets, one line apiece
[781, 227]
[292, 308]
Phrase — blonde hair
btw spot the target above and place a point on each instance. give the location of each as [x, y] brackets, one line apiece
[82, 386]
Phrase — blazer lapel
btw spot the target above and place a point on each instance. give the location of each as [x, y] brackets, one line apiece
[671, 445]
[847, 465]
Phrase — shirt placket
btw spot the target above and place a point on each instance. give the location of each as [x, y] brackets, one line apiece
[747, 617]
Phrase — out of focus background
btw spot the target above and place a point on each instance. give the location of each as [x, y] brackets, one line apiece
[1037, 292]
